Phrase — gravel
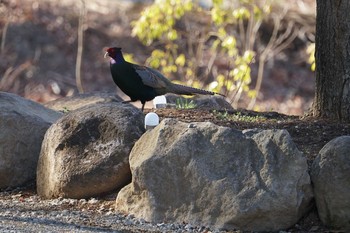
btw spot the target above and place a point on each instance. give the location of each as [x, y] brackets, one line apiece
[25, 211]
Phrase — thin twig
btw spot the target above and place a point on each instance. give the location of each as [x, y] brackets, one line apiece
[275, 45]
[11, 74]
[4, 33]
[80, 47]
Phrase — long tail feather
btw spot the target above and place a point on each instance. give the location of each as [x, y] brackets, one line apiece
[186, 90]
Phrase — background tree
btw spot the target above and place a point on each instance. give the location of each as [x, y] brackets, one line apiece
[332, 97]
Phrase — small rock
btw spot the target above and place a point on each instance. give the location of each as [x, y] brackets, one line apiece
[192, 125]
[92, 201]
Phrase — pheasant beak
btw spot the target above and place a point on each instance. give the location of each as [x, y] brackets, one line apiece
[106, 54]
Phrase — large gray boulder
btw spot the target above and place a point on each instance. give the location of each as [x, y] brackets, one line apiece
[215, 176]
[86, 152]
[23, 124]
[330, 174]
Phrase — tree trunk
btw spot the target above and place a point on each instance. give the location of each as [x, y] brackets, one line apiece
[332, 97]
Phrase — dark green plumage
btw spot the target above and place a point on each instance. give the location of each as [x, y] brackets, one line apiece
[143, 83]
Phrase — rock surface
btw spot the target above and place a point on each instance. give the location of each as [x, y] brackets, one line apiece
[23, 124]
[86, 152]
[200, 101]
[71, 103]
[330, 174]
[215, 176]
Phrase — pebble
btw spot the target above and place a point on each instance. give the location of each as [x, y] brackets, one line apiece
[192, 125]
[92, 201]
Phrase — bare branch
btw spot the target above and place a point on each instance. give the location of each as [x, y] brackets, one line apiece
[80, 47]
[4, 32]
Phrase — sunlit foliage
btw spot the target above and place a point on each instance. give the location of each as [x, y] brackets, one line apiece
[192, 42]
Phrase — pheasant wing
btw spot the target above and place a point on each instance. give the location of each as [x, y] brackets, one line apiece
[151, 77]
[162, 85]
